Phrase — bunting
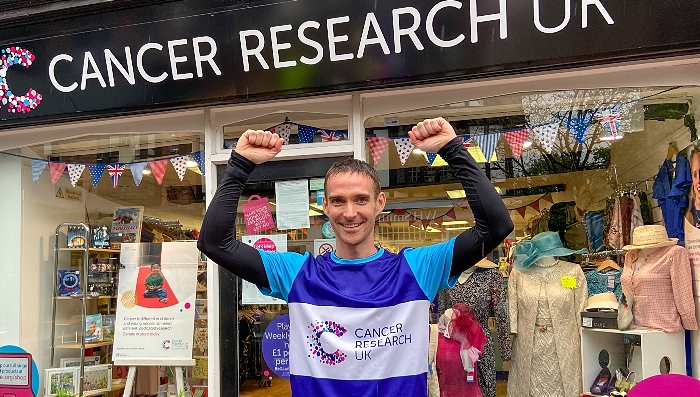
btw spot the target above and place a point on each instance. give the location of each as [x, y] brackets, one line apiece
[610, 118]
[487, 143]
[578, 124]
[425, 223]
[332, 136]
[377, 146]
[199, 158]
[451, 214]
[404, 147]
[96, 171]
[74, 172]
[37, 168]
[180, 165]
[137, 171]
[283, 130]
[548, 197]
[466, 140]
[546, 133]
[431, 157]
[521, 211]
[158, 169]
[115, 172]
[306, 133]
[56, 170]
[535, 205]
[516, 139]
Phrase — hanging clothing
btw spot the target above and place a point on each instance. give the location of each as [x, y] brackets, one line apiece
[636, 219]
[483, 291]
[671, 188]
[646, 208]
[662, 289]
[615, 239]
[550, 333]
[593, 220]
[599, 282]
[626, 208]
[451, 374]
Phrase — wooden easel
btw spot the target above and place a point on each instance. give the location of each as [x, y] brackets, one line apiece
[132, 364]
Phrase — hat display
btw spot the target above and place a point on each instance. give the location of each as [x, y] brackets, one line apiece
[602, 302]
[542, 245]
[650, 236]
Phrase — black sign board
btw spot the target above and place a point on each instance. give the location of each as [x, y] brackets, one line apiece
[292, 48]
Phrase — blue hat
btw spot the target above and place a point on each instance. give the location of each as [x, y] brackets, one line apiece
[540, 246]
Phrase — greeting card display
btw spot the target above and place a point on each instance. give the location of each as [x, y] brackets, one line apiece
[62, 379]
[258, 217]
[77, 237]
[98, 378]
[75, 361]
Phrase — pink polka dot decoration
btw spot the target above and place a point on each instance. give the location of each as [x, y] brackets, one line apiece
[266, 373]
[9, 57]
[187, 305]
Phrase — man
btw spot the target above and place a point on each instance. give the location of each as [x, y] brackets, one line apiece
[358, 316]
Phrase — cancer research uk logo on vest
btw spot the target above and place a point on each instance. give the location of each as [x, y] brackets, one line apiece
[11, 56]
[314, 341]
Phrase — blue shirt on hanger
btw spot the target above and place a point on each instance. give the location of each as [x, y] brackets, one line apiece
[671, 192]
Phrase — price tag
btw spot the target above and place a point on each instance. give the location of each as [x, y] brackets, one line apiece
[611, 282]
[470, 377]
[587, 322]
[568, 282]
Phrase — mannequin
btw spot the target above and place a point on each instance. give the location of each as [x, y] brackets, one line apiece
[459, 346]
[657, 274]
[545, 298]
[481, 288]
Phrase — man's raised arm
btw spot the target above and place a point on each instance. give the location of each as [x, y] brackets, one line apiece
[217, 239]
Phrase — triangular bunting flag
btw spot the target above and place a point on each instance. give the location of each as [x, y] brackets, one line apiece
[578, 124]
[439, 221]
[377, 146]
[436, 162]
[431, 157]
[180, 165]
[137, 171]
[332, 136]
[306, 133]
[451, 214]
[115, 172]
[611, 119]
[399, 212]
[466, 140]
[548, 197]
[521, 211]
[284, 131]
[516, 139]
[476, 152]
[536, 205]
[425, 223]
[158, 169]
[404, 147]
[56, 170]
[96, 171]
[74, 172]
[199, 158]
[487, 143]
[546, 134]
[37, 168]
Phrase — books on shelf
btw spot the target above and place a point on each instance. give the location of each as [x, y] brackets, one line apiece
[100, 237]
[108, 327]
[126, 226]
[77, 237]
[93, 328]
[69, 283]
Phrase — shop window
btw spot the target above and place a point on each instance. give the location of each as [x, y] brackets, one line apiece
[294, 127]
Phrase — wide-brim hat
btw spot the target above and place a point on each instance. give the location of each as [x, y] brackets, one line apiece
[650, 236]
[605, 301]
[542, 245]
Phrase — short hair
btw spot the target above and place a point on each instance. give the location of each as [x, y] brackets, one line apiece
[351, 166]
[696, 150]
[156, 264]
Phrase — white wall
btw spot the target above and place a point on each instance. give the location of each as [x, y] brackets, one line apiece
[10, 213]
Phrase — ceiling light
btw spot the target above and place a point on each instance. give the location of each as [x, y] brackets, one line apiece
[455, 194]
[191, 163]
[458, 228]
[610, 137]
[527, 144]
[453, 223]
[146, 171]
[428, 229]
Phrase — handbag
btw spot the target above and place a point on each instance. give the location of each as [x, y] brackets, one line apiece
[624, 311]
[627, 384]
[604, 383]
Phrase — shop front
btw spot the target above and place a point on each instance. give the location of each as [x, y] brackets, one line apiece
[570, 108]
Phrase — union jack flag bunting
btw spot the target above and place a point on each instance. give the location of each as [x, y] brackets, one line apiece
[610, 118]
[330, 136]
[115, 172]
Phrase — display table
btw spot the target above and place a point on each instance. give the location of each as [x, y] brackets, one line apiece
[646, 359]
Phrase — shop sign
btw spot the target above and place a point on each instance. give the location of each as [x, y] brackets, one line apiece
[304, 46]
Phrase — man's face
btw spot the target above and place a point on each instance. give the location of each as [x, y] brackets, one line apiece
[695, 171]
[351, 204]
[92, 328]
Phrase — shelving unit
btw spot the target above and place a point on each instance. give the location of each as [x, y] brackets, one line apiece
[82, 263]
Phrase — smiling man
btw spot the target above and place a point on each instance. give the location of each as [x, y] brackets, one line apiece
[359, 315]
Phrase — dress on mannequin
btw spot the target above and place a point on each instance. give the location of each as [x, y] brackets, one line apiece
[482, 290]
[545, 298]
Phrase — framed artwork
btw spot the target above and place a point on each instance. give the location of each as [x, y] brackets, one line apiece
[75, 361]
[97, 378]
[65, 379]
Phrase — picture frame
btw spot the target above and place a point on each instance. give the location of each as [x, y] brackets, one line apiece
[75, 361]
[97, 378]
[57, 379]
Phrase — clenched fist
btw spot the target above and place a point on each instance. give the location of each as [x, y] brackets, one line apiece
[432, 134]
[259, 146]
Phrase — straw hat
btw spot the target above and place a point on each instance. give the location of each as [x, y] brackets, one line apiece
[650, 236]
[605, 301]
